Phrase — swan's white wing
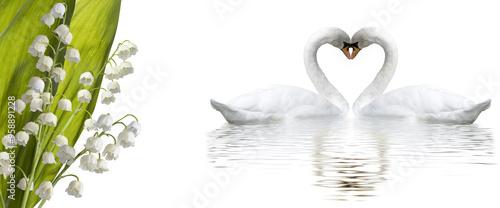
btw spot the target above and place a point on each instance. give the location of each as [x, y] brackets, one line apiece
[416, 100]
[282, 100]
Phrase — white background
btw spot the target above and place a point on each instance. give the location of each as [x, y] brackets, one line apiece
[190, 52]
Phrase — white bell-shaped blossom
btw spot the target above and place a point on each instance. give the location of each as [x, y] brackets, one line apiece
[29, 95]
[60, 141]
[84, 96]
[112, 73]
[36, 105]
[58, 74]
[4, 159]
[6, 171]
[58, 10]
[125, 69]
[66, 39]
[23, 183]
[107, 97]
[126, 139]
[19, 106]
[45, 190]
[9, 141]
[133, 48]
[86, 79]
[39, 45]
[61, 30]
[22, 138]
[31, 127]
[102, 166]
[44, 63]
[41, 117]
[37, 84]
[94, 144]
[111, 152]
[47, 19]
[114, 87]
[50, 119]
[46, 97]
[64, 104]
[48, 158]
[135, 127]
[124, 52]
[72, 55]
[88, 162]
[104, 122]
[89, 125]
[75, 188]
[66, 154]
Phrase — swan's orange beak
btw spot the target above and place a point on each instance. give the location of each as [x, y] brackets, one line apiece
[350, 51]
[355, 51]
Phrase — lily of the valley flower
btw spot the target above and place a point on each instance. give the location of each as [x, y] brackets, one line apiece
[31, 127]
[58, 10]
[102, 166]
[107, 97]
[50, 119]
[45, 190]
[29, 95]
[104, 122]
[126, 139]
[41, 117]
[75, 188]
[4, 158]
[88, 162]
[124, 52]
[39, 45]
[44, 63]
[19, 106]
[23, 182]
[72, 55]
[66, 154]
[22, 138]
[112, 73]
[89, 125]
[133, 48]
[86, 79]
[48, 158]
[60, 140]
[6, 171]
[84, 96]
[47, 19]
[46, 97]
[125, 68]
[58, 74]
[64, 104]
[114, 87]
[36, 84]
[9, 141]
[135, 127]
[111, 152]
[94, 144]
[36, 104]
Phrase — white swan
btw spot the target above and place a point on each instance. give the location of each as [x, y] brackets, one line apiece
[423, 102]
[285, 102]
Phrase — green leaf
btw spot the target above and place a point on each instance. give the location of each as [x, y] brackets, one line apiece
[8, 10]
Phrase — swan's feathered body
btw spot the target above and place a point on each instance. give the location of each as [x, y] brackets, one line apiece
[424, 102]
[276, 103]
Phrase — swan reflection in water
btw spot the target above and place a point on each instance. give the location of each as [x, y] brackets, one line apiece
[353, 158]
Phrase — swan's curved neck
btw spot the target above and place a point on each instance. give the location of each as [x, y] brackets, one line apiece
[384, 76]
[317, 76]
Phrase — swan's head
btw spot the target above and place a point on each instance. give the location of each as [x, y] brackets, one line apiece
[369, 35]
[331, 35]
